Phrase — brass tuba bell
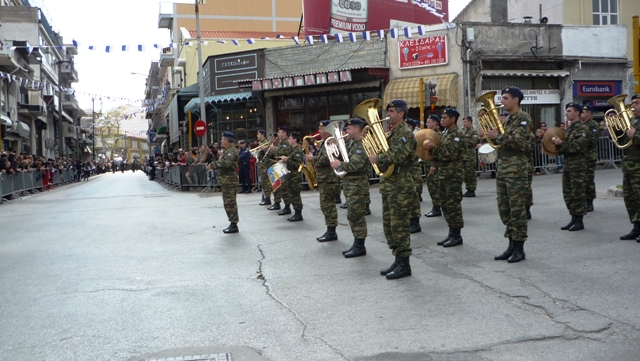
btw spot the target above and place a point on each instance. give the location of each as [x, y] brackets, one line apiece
[618, 121]
[488, 116]
[374, 138]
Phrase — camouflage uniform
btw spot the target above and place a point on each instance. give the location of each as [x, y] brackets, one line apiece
[328, 185]
[631, 175]
[592, 158]
[294, 183]
[574, 175]
[416, 175]
[470, 158]
[356, 187]
[450, 175]
[432, 180]
[228, 180]
[530, 170]
[398, 189]
[264, 165]
[512, 183]
[282, 148]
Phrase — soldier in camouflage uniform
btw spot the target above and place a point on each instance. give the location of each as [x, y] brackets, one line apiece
[530, 171]
[397, 189]
[294, 183]
[574, 175]
[263, 148]
[328, 186]
[433, 123]
[416, 174]
[448, 156]
[356, 187]
[228, 179]
[512, 174]
[278, 149]
[470, 157]
[631, 172]
[592, 153]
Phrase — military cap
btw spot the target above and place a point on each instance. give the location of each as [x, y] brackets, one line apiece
[324, 123]
[412, 122]
[513, 91]
[434, 117]
[229, 135]
[296, 135]
[263, 132]
[575, 106]
[635, 96]
[284, 128]
[398, 103]
[242, 141]
[274, 135]
[451, 112]
[587, 107]
[354, 121]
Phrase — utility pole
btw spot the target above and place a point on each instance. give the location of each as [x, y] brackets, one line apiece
[60, 116]
[93, 128]
[203, 107]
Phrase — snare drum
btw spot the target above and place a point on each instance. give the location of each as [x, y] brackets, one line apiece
[487, 154]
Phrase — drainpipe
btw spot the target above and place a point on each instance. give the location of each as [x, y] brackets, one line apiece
[468, 83]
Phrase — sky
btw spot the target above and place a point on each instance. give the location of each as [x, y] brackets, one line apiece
[117, 23]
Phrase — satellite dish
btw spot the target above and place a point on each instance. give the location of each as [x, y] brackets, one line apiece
[544, 20]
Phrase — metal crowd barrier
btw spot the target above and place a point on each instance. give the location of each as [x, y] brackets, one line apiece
[30, 182]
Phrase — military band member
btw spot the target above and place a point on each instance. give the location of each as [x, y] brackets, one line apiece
[433, 123]
[416, 174]
[294, 183]
[450, 175]
[277, 150]
[263, 147]
[592, 153]
[328, 185]
[398, 189]
[512, 173]
[574, 182]
[228, 179]
[356, 187]
[631, 172]
[470, 157]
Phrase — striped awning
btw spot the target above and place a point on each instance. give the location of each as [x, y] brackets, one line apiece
[408, 89]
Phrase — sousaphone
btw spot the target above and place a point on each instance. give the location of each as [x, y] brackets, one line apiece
[547, 141]
[424, 136]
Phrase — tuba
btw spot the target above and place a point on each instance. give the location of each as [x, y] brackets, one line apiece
[488, 116]
[374, 138]
[618, 121]
[335, 144]
[307, 167]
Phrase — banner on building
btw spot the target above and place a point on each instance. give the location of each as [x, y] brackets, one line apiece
[419, 52]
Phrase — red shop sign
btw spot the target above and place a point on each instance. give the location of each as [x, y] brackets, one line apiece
[419, 52]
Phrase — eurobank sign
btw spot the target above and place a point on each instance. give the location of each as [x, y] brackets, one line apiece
[596, 88]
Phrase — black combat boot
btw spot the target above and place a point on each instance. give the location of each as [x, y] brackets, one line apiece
[338, 200]
[435, 212]
[403, 269]
[344, 206]
[578, 225]
[329, 235]
[455, 240]
[528, 213]
[285, 210]
[357, 249]
[367, 212]
[393, 266]
[469, 193]
[518, 252]
[265, 201]
[415, 225]
[589, 205]
[233, 228]
[297, 217]
[446, 239]
[275, 206]
[573, 221]
[506, 254]
[635, 232]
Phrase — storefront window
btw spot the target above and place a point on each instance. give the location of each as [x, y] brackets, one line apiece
[240, 118]
[339, 106]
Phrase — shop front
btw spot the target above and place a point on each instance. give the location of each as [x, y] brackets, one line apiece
[596, 94]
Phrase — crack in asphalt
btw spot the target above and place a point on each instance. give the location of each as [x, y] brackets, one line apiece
[304, 336]
[117, 289]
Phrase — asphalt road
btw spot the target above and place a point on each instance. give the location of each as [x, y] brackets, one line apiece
[119, 268]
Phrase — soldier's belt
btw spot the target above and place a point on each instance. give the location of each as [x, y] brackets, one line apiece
[404, 169]
[507, 152]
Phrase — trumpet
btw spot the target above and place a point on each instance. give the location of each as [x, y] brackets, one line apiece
[618, 121]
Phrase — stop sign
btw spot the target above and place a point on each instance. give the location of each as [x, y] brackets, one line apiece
[200, 128]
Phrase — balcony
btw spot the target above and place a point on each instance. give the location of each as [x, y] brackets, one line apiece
[69, 71]
[34, 110]
[6, 58]
[70, 103]
[165, 16]
[166, 58]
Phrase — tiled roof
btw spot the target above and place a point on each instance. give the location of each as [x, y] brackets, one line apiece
[213, 34]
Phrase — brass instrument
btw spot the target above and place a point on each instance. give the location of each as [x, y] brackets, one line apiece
[618, 121]
[489, 117]
[307, 166]
[374, 138]
[335, 144]
[424, 136]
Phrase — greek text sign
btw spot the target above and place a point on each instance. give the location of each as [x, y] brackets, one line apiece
[419, 52]
[534, 96]
[302, 80]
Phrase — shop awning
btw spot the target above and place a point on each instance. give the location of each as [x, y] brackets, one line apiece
[408, 89]
[540, 73]
[194, 104]
[5, 120]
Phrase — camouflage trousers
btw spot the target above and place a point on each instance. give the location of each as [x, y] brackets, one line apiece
[574, 185]
[397, 191]
[592, 161]
[266, 183]
[229, 185]
[631, 187]
[432, 187]
[529, 198]
[357, 193]
[291, 193]
[328, 193]
[416, 175]
[470, 165]
[450, 189]
[512, 194]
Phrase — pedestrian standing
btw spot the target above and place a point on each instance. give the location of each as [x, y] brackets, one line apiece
[244, 160]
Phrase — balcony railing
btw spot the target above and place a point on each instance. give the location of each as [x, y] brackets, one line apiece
[166, 58]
